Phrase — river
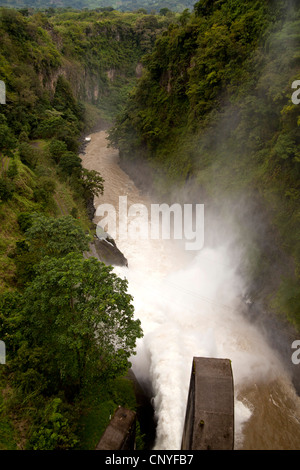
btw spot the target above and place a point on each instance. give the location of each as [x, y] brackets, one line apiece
[190, 304]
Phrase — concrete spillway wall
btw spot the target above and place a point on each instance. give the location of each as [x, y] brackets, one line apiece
[120, 433]
[209, 420]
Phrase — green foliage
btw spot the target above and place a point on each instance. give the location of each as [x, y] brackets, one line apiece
[72, 325]
[93, 332]
[28, 155]
[50, 236]
[287, 300]
[52, 429]
[69, 163]
[213, 108]
[24, 262]
[139, 6]
[92, 182]
[7, 138]
[24, 221]
[10, 321]
[7, 432]
[60, 60]
[67, 65]
[64, 100]
[57, 148]
[206, 7]
[6, 190]
[44, 191]
[50, 126]
[23, 137]
[12, 171]
[74, 212]
[100, 401]
[48, 184]
[45, 236]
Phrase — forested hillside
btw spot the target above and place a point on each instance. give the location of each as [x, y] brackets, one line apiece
[203, 99]
[67, 72]
[149, 6]
[214, 111]
[63, 73]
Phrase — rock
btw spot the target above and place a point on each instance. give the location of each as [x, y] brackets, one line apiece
[107, 251]
[90, 208]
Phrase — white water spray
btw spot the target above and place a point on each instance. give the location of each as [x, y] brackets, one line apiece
[192, 306]
[194, 311]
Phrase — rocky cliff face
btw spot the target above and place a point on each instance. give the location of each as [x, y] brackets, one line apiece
[107, 252]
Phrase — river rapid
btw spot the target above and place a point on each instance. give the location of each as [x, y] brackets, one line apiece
[190, 304]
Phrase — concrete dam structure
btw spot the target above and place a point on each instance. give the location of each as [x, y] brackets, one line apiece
[120, 433]
[209, 419]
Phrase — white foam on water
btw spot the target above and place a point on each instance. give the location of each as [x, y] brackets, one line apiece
[193, 311]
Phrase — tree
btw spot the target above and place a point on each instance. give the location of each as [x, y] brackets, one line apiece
[164, 11]
[53, 430]
[184, 17]
[28, 155]
[92, 182]
[50, 236]
[57, 148]
[14, 23]
[45, 236]
[79, 317]
[206, 7]
[7, 139]
[69, 163]
[6, 190]
[64, 99]
[24, 221]
[51, 126]
[12, 170]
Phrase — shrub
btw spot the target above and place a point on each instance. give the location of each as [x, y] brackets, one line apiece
[52, 429]
[57, 148]
[69, 163]
[6, 190]
[28, 155]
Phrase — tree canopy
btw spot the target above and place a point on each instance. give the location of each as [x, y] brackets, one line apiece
[77, 315]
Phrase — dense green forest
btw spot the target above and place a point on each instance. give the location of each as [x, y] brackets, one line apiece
[202, 97]
[149, 6]
[214, 112]
[63, 72]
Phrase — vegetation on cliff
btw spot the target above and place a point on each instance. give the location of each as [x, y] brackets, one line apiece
[214, 108]
[67, 322]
